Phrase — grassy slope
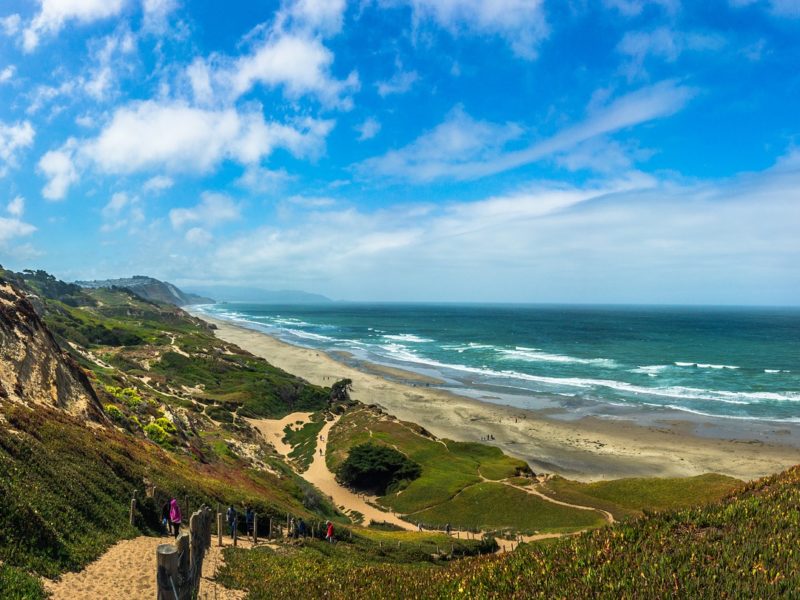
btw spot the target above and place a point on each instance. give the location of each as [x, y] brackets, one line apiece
[453, 487]
[745, 546]
[633, 496]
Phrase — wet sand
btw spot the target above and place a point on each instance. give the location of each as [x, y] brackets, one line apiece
[587, 449]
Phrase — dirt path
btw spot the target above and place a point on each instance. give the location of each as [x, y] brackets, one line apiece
[272, 429]
[128, 570]
[319, 475]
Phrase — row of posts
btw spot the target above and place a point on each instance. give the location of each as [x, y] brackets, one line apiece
[180, 565]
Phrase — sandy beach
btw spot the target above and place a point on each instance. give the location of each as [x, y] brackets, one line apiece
[586, 449]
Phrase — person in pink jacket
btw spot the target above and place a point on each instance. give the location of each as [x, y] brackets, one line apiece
[175, 517]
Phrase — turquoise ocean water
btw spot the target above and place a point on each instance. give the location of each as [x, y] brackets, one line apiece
[735, 363]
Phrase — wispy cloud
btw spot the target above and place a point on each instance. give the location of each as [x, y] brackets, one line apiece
[462, 148]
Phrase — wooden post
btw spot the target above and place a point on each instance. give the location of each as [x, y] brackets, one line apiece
[255, 528]
[182, 544]
[269, 536]
[133, 511]
[166, 575]
[219, 529]
[235, 535]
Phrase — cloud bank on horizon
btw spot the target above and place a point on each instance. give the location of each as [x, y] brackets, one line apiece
[513, 150]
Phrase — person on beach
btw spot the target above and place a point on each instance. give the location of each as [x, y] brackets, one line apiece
[232, 518]
[175, 517]
[165, 518]
[329, 533]
[250, 520]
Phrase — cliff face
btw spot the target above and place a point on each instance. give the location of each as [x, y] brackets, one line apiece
[33, 369]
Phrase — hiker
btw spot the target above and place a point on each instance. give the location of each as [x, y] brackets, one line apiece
[419, 526]
[165, 518]
[250, 520]
[301, 528]
[329, 532]
[175, 517]
[233, 520]
[447, 528]
[292, 528]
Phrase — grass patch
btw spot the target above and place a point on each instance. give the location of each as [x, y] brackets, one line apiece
[495, 506]
[304, 441]
[632, 496]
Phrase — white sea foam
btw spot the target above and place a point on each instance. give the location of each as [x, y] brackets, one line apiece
[408, 337]
[309, 336]
[650, 370]
[536, 355]
[704, 365]
[776, 371]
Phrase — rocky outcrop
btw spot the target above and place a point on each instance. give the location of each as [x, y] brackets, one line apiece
[33, 368]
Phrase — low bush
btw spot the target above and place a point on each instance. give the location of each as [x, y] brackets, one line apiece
[377, 468]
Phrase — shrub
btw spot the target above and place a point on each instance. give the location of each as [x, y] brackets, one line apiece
[156, 433]
[115, 414]
[376, 468]
[167, 425]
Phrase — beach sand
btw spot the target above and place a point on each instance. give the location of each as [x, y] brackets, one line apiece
[586, 449]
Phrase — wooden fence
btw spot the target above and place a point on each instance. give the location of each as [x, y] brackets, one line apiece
[180, 565]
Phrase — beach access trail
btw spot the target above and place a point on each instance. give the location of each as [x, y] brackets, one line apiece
[127, 570]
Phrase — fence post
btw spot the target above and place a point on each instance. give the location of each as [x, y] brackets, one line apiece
[235, 534]
[269, 536]
[255, 528]
[166, 575]
[133, 510]
[219, 529]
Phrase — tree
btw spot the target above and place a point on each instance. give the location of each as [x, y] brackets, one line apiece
[340, 391]
[377, 468]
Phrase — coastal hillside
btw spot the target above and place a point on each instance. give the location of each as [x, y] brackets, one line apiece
[107, 396]
[151, 289]
[744, 546]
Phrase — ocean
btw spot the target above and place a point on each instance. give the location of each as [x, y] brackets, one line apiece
[614, 362]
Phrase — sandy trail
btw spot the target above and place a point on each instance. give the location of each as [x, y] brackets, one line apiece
[128, 570]
[319, 475]
[272, 429]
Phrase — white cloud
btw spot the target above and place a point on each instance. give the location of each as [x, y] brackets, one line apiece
[368, 129]
[323, 16]
[159, 183]
[299, 64]
[13, 138]
[461, 148]
[122, 211]
[198, 236]
[16, 208]
[521, 23]
[7, 73]
[664, 43]
[400, 83]
[54, 14]
[14, 228]
[779, 8]
[200, 80]
[260, 179]
[214, 209]
[58, 167]
[633, 8]
[11, 24]
[156, 14]
[179, 138]
[110, 55]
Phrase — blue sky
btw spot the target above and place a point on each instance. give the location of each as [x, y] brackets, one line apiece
[513, 150]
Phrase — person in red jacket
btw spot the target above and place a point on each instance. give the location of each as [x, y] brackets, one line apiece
[329, 533]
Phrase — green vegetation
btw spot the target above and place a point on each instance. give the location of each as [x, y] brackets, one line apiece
[377, 469]
[490, 506]
[19, 585]
[458, 480]
[316, 569]
[744, 546]
[304, 441]
[633, 496]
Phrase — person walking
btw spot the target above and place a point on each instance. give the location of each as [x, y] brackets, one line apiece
[329, 533]
[301, 528]
[175, 517]
[250, 520]
[233, 520]
[165, 518]
[447, 528]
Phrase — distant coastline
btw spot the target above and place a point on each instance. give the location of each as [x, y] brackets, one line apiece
[587, 448]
